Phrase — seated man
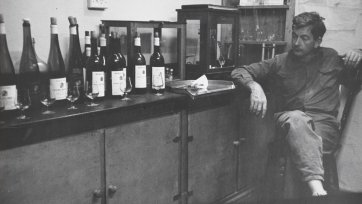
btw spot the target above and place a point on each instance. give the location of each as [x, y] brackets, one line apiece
[306, 79]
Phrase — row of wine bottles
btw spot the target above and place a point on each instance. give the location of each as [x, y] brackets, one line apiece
[101, 65]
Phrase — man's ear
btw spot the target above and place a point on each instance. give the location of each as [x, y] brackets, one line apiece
[318, 42]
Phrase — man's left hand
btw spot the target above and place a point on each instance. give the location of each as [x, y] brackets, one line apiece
[352, 58]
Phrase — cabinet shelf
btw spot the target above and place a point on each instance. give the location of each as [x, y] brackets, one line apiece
[254, 42]
[264, 7]
[208, 6]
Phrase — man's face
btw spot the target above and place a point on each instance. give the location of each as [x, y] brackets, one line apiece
[303, 41]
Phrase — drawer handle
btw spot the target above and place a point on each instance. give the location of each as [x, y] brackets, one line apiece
[97, 193]
[112, 188]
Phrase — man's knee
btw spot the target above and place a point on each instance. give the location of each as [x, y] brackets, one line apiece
[294, 119]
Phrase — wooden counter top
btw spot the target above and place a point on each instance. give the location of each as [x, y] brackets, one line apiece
[110, 112]
[65, 122]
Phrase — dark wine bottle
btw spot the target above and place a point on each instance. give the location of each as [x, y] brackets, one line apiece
[8, 92]
[87, 44]
[75, 67]
[56, 68]
[86, 56]
[29, 74]
[139, 70]
[103, 65]
[157, 64]
[117, 71]
[95, 73]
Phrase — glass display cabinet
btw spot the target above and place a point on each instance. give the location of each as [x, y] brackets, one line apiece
[219, 38]
[172, 35]
[263, 32]
[211, 40]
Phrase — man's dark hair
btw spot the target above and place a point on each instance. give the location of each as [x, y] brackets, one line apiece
[310, 19]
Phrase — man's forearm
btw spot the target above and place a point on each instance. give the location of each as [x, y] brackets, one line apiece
[241, 76]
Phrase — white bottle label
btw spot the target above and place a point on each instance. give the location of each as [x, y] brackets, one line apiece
[157, 42]
[58, 88]
[8, 96]
[98, 83]
[102, 42]
[54, 29]
[140, 76]
[87, 40]
[137, 41]
[88, 51]
[73, 30]
[158, 77]
[118, 80]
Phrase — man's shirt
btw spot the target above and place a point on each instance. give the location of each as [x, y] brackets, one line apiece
[307, 85]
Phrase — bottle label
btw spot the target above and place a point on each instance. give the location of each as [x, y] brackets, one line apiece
[118, 80]
[73, 30]
[102, 42]
[137, 41]
[158, 77]
[157, 42]
[8, 96]
[58, 88]
[140, 76]
[88, 51]
[53, 29]
[2, 28]
[87, 40]
[98, 83]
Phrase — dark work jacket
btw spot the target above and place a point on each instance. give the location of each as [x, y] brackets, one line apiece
[299, 84]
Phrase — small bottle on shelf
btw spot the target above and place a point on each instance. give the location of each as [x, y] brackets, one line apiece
[8, 93]
[171, 75]
[167, 74]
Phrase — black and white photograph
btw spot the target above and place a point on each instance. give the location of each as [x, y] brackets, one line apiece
[181, 102]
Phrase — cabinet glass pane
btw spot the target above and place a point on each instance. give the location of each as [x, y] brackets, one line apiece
[146, 35]
[223, 45]
[122, 34]
[169, 49]
[192, 41]
[262, 25]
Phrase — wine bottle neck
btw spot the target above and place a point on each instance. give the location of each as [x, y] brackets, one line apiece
[113, 45]
[27, 40]
[156, 48]
[76, 43]
[137, 49]
[94, 46]
[54, 40]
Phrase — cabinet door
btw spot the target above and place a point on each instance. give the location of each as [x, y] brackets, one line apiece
[142, 161]
[65, 170]
[212, 158]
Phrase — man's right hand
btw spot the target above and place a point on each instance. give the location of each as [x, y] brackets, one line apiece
[258, 102]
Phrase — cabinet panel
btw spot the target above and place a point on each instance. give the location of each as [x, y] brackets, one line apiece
[65, 170]
[142, 161]
[212, 154]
